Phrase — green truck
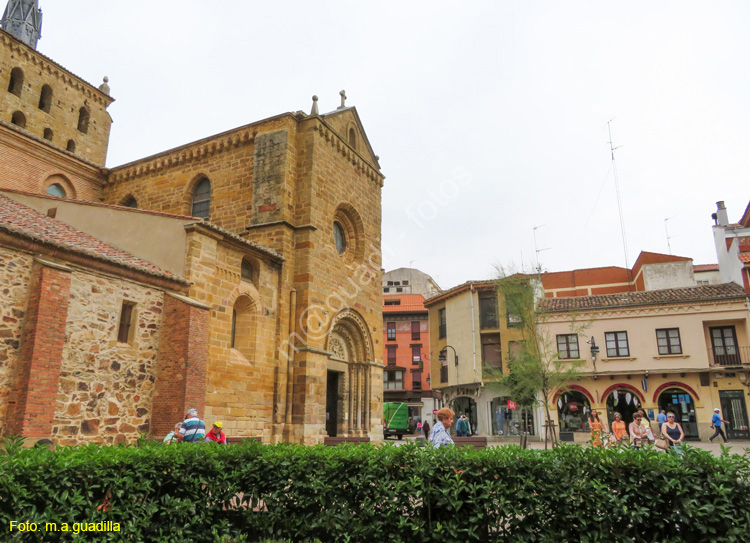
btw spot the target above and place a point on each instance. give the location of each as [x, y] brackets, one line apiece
[395, 419]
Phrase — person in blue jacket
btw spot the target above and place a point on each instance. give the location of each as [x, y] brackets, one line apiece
[716, 422]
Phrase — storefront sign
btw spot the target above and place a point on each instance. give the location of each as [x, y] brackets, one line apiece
[511, 404]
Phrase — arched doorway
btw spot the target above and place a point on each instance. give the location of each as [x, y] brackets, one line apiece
[348, 385]
[682, 404]
[465, 406]
[622, 401]
[510, 422]
[572, 410]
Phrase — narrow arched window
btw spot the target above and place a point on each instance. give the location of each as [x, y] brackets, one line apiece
[352, 138]
[246, 270]
[130, 201]
[45, 99]
[202, 199]
[83, 120]
[234, 328]
[19, 119]
[55, 189]
[71, 146]
[15, 85]
[48, 134]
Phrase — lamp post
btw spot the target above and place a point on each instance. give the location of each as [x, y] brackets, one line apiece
[443, 357]
[594, 352]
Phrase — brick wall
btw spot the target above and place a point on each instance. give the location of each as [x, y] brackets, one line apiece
[40, 359]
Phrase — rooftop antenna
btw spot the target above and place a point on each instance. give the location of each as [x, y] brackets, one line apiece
[537, 251]
[619, 200]
[666, 230]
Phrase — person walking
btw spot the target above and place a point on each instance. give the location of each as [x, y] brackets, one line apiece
[716, 422]
[462, 427]
[673, 431]
[439, 437]
[193, 429]
[426, 429]
[597, 427]
[661, 417]
[638, 434]
[619, 428]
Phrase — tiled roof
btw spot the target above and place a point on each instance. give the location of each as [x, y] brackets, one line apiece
[409, 303]
[705, 267]
[206, 224]
[744, 257]
[725, 291]
[20, 220]
[460, 288]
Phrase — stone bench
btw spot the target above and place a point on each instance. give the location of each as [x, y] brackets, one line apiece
[478, 442]
[238, 440]
[332, 441]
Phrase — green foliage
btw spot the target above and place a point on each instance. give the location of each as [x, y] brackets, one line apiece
[253, 492]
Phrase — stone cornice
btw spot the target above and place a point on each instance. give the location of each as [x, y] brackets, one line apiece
[53, 69]
[634, 311]
[337, 142]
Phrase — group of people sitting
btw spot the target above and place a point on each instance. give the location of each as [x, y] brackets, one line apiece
[638, 432]
[193, 430]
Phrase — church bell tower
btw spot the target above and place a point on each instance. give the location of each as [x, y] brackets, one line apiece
[23, 20]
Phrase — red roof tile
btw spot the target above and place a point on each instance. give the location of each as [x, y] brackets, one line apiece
[20, 220]
[744, 257]
[705, 267]
[410, 303]
[701, 293]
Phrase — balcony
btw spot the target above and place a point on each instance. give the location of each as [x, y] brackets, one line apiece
[729, 356]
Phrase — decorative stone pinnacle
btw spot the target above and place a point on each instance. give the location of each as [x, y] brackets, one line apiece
[104, 87]
[343, 99]
[314, 110]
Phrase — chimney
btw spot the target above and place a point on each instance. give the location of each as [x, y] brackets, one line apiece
[721, 214]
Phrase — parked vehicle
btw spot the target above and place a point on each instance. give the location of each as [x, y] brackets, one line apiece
[395, 419]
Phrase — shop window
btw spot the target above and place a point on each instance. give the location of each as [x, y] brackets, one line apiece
[572, 411]
[567, 346]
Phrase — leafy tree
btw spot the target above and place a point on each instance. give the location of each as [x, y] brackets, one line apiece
[535, 368]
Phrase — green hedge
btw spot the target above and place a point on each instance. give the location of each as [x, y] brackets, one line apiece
[365, 494]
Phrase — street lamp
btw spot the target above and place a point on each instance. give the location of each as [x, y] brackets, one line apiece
[443, 357]
[594, 352]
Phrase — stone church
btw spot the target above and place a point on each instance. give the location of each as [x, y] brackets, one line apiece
[238, 274]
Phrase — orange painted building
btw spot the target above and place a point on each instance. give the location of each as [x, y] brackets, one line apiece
[406, 354]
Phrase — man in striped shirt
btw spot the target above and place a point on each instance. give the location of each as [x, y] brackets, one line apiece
[193, 429]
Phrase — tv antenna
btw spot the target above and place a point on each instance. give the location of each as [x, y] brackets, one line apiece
[666, 230]
[537, 251]
[612, 149]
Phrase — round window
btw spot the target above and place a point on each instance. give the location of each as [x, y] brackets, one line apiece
[56, 190]
[339, 237]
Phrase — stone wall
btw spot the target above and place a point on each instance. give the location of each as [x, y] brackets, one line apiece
[106, 387]
[15, 277]
[69, 94]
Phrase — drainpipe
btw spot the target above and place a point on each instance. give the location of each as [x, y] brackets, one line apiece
[290, 356]
[473, 333]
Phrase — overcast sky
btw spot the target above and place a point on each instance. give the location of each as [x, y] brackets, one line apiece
[490, 117]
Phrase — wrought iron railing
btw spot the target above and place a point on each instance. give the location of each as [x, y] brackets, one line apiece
[729, 356]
